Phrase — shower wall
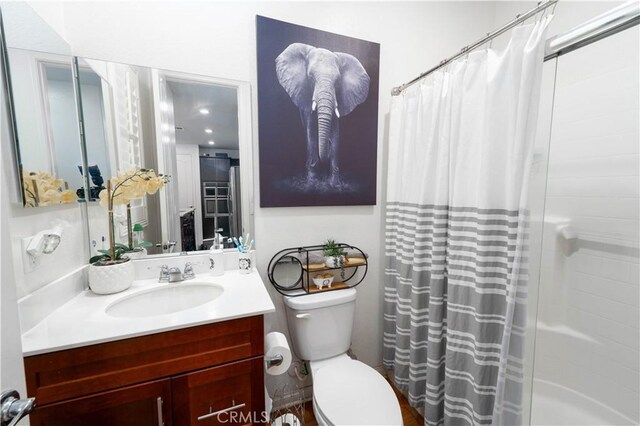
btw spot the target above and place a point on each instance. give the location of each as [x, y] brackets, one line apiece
[587, 337]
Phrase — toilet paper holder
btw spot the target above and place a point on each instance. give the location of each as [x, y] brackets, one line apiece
[273, 361]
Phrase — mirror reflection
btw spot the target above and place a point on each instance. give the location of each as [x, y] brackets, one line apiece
[183, 126]
[96, 97]
[200, 146]
[44, 107]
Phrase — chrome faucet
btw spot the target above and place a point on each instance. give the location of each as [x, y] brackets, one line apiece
[164, 274]
[173, 275]
[188, 274]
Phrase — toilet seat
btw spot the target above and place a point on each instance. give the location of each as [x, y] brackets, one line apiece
[352, 393]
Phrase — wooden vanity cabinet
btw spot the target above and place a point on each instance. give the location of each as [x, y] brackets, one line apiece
[219, 395]
[148, 404]
[170, 378]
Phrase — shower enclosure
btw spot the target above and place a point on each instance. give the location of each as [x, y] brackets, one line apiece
[584, 334]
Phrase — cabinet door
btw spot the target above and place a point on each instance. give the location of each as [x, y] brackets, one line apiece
[148, 404]
[228, 394]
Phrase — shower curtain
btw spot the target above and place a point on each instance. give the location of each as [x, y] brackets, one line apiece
[460, 150]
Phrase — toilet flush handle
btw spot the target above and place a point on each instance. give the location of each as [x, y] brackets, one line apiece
[303, 316]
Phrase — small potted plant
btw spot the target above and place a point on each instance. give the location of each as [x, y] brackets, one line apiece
[111, 271]
[334, 254]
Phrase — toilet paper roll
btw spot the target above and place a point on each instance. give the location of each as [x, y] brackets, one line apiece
[286, 420]
[276, 344]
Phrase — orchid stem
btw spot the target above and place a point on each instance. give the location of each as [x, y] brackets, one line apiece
[129, 226]
[112, 246]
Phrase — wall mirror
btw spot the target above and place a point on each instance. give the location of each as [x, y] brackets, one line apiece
[194, 129]
[43, 103]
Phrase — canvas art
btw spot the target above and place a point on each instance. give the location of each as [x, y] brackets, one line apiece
[318, 116]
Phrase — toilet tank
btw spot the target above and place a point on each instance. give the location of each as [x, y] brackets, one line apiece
[320, 325]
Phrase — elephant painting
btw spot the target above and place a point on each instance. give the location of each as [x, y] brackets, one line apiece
[325, 86]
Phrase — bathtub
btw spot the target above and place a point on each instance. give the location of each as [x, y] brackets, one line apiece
[555, 404]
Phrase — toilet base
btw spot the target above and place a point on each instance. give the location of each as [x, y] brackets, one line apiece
[319, 417]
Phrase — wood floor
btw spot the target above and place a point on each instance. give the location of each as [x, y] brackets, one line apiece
[410, 417]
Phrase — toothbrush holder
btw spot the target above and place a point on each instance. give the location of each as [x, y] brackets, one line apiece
[246, 262]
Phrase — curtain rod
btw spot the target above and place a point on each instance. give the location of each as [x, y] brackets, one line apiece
[490, 36]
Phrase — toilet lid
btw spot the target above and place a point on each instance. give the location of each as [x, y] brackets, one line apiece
[352, 393]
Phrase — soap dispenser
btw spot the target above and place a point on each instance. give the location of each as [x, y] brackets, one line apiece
[216, 258]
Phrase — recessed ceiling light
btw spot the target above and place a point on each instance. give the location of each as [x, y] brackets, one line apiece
[203, 111]
[211, 143]
[208, 131]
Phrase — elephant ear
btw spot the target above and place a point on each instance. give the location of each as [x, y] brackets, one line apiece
[291, 68]
[354, 83]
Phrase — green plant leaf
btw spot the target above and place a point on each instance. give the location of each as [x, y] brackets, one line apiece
[144, 244]
[105, 252]
[96, 258]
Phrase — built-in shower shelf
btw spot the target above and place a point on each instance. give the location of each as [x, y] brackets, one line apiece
[291, 271]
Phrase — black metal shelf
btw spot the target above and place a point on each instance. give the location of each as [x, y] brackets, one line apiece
[302, 257]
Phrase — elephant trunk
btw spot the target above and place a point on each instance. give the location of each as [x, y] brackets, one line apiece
[325, 100]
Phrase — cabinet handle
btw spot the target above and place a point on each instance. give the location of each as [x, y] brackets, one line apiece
[225, 410]
[159, 407]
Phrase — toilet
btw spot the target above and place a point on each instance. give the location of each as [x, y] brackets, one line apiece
[345, 391]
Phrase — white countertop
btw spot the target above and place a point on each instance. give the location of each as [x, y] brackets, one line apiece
[83, 321]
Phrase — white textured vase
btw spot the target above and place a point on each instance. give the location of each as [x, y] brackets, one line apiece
[333, 261]
[109, 279]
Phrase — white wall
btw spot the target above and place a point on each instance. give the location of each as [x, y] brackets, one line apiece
[588, 313]
[218, 39]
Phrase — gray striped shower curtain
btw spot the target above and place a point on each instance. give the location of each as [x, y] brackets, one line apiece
[460, 150]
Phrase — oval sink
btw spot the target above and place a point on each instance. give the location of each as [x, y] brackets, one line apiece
[164, 300]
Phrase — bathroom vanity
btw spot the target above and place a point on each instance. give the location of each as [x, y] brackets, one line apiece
[95, 361]
[174, 378]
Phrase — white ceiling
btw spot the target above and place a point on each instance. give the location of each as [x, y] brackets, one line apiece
[222, 103]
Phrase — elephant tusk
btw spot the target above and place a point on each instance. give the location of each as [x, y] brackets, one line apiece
[337, 113]
[313, 106]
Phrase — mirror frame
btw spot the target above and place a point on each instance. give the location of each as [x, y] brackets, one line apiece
[11, 116]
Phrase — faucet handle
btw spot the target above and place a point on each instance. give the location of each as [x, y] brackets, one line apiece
[188, 271]
[164, 273]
